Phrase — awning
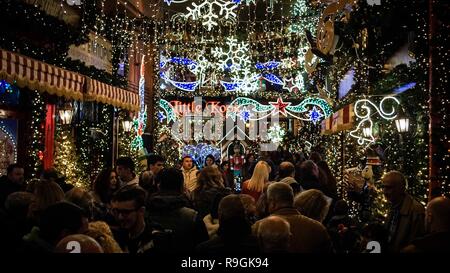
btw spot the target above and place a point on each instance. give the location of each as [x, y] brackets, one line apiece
[108, 94]
[341, 120]
[43, 77]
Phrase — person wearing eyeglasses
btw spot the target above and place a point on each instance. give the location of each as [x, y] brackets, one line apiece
[135, 234]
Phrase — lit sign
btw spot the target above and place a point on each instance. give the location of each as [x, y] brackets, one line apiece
[182, 108]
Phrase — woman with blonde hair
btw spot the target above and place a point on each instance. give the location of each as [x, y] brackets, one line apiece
[255, 185]
[101, 232]
[313, 204]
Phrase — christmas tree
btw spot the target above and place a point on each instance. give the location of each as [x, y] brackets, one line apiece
[66, 159]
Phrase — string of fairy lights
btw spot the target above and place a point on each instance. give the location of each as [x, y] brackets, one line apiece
[35, 142]
[275, 31]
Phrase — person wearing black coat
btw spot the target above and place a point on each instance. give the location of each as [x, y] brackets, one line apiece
[13, 181]
[169, 207]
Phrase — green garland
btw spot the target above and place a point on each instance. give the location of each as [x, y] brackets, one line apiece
[28, 21]
[35, 131]
[94, 139]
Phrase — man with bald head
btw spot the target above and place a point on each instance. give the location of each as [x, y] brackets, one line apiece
[286, 174]
[308, 235]
[78, 243]
[437, 224]
[274, 234]
[405, 221]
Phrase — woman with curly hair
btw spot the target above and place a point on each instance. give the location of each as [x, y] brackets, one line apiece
[101, 232]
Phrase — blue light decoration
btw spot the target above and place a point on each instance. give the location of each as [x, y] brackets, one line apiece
[9, 93]
[6, 87]
[247, 2]
[121, 69]
[185, 86]
[346, 83]
[404, 88]
[191, 86]
[230, 86]
[245, 115]
[192, 66]
[268, 65]
[315, 115]
[161, 117]
[168, 2]
[272, 79]
[200, 151]
[167, 107]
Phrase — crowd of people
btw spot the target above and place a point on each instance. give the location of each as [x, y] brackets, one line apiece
[287, 207]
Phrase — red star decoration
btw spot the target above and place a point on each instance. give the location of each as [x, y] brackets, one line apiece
[280, 105]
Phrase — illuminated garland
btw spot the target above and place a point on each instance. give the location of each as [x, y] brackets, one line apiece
[139, 124]
[35, 142]
[321, 103]
[192, 66]
[280, 107]
[168, 108]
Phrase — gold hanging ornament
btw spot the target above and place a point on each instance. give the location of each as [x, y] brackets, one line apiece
[325, 36]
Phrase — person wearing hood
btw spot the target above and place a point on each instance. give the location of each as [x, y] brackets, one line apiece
[169, 208]
[286, 174]
[189, 173]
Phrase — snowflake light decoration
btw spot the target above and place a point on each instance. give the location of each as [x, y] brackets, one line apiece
[206, 12]
[245, 114]
[249, 83]
[315, 115]
[276, 133]
[235, 59]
